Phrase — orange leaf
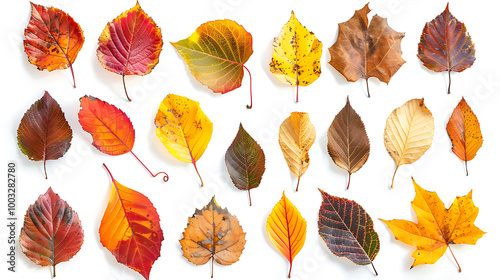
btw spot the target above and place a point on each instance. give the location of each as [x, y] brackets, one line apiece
[465, 133]
[130, 44]
[286, 229]
[52, 39]
[437, 226]
[130, 228]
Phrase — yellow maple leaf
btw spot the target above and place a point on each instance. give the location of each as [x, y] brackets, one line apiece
[437, 226]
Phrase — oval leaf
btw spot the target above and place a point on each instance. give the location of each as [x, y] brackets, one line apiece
[296, 55]
[296, 136]
[130, 44]
[348, 144]
[286, 229]
[437, 226]
[216, 53]
[465, 133]
[52, 231]
[52, 39]
[245, 162]
[130, 228]
[408, 133]
[365, 50]
[445, 45]
[111, 129]
[183, 128]
[213, 234]
[44, 133]
[348, 230]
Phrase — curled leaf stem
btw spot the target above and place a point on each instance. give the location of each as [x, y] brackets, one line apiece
[125, 87]
[250, 76]
[165, 177]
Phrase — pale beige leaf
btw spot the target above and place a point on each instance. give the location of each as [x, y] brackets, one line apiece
[408, 132]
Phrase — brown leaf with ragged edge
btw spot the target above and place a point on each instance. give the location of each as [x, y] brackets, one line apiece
[365, 50]
[213, 234]
[348, 144]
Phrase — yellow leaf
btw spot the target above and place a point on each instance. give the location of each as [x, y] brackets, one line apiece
[286, 229]
[408, 133]
[296, 136]
[437, 226]
[296, 55]
[183, 128]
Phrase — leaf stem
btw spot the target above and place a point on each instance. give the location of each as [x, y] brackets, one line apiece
[124, 87]
[449, 80]
[212, 276]
[53, 270]
[250, 76]
[376, 273]
[349, 181]
[72, 73]
[459, 268]
[290, 270]
[392, 183]
[249, 198]
[298, 181]
[194, 162]
[165, 177]
[466, 170]
[297, 78]
[45, 167]
[367, 88]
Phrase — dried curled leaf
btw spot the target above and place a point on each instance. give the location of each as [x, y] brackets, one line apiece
[44, 132]
[348, 144]
[408, 133]
[465, 133]
[296, 55]
[183, 128]
[216, 53]
[286, 229]
[348, 230]
[296, 136]
[365, 50]
[445, 45]
[52, 231]
[437, 226]
[130, 44]
[52, 39]
[245, 162]
[213, 234]
[130, 228]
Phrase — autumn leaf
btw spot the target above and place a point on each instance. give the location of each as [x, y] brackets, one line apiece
[348, 230]
[130, 228]
[213, 234]
[408, 133]
[365, 50]
[52, 231]
[437, 226]
[348, 144]
[183, 128]
[216, 53]
[245, 162]
[44, 133]
[465, 133]
[286, 229]
[296, 136]
[296, 55]
[111, 129]
[52, 39]
[445, 45]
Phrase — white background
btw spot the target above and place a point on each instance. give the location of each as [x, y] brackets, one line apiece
[80, 179]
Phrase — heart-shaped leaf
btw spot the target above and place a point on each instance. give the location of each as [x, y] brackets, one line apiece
[44, 133]
[52, 231]
[348, 230]
[130, 44]
[245, 162]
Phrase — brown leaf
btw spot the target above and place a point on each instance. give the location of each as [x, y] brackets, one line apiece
[213, 233]
[44, 132]
[348, 144]
[365, 50]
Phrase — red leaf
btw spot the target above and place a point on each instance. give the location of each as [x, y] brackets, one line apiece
[44, 132]
[52, 231]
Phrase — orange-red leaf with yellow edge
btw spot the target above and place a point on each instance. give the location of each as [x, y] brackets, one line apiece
[437, 226]
[286, 229]
[130, 228]
[130, 44]
[52, 231]
[52, 39]
[465, 133]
